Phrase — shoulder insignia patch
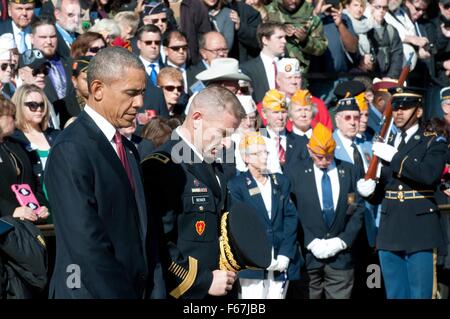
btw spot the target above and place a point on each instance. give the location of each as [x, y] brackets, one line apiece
[441, 139]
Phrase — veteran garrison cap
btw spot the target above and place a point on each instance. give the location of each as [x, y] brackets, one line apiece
[445, 93]
[21, 1]
[406, 97]
[348, 104]
[243, 240]
[80, 64]
[349, 89]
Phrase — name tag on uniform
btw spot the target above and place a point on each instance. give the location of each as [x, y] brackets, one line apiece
[199, 190]
[254, 191]
[200, 200]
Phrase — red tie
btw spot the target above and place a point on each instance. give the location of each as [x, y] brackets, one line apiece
[123, 157]
[281, 152]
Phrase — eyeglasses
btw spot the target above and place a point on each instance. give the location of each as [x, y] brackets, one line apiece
[171, 88]
[378, 7]
[33, 106]
[217, 51]
[4, 66]
[179, 48]
[447, 6]
[42, 70]
[96, 49]
[150, 42]
[155, 21]
[349, 117]
[418, 9]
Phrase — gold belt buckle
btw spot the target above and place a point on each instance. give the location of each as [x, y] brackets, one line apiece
[401, 196]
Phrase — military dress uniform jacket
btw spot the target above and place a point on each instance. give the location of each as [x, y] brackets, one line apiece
[281, 228]
[409, 224]
[184, 193]
[348, 216]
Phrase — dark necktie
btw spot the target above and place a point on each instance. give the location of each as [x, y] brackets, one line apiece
[402, 142]
[123, 157]
[327, 199]
[357, 160]
[276, 72]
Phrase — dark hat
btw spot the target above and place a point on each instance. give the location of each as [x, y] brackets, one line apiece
[406, 97]
[349, 89]
[21, 1]
[243, 240]
[349, 104]
[32, 58]
[80, 64]
[445, 93]
[444, 2]
[154, 8]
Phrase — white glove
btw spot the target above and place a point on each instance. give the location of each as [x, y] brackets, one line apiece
[283, 263]
[318, 248]
[384, 151]
[366, 187]
[273, 265]
[334, 245]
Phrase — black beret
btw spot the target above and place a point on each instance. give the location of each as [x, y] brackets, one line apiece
[243, 240]
[406, 97]
[80, 64]
[445, 93]
[349, 104]
[349, 89]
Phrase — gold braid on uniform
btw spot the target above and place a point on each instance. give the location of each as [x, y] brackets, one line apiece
[187, 277]
[226, 261]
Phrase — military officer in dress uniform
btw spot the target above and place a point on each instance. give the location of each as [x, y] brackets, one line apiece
[269, 195]
[330, 213]
[409, 228]
[186, 190]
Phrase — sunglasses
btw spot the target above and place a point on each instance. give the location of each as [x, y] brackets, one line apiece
[33, 106]
[154, 21]
[96, 49]
[349, 117]
[4, 66]
[172, 88]
[179, 48]
[42, 70]
[378, 7]
[150, 42]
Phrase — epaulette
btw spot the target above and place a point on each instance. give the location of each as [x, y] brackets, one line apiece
[157, 156]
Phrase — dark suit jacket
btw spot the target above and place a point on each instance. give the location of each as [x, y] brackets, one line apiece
[101, 224]
[68, 106]
[154, 99]
[346, 223]
[62, 49]
[255, 70]
[185, 195]
[6, 26]
[281, 228]
[191, 73]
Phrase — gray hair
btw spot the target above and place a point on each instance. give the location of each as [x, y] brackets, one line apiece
[214, 100]
[110, 63]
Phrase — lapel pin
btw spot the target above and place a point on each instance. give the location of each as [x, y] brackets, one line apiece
[416, 137]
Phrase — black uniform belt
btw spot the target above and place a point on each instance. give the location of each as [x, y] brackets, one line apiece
[404, 195]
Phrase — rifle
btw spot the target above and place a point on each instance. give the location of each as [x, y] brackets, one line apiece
[386, 122]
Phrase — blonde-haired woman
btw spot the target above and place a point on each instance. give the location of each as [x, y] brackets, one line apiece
[32, 125]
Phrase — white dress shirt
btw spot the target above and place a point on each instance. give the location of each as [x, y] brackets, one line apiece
[147, 63]
[409, 133]
[347, 143]
[334, 179]
[18, 37]
[266, 194]
[270, 69]
[308, 133]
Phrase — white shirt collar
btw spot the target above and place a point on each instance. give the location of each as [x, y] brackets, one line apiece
[194, 149]
[107, 128]
[330, 167]
[411, 131]
[345, 140]
[272, 133]
[181, 68]
[147, 62]
[297, 131]
[267, 59]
